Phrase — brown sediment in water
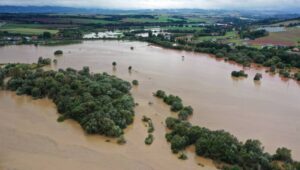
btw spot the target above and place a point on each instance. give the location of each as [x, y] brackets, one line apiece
[268, 111]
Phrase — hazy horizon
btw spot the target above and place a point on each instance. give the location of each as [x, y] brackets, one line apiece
[162, 4]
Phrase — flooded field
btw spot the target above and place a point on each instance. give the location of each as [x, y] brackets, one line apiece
[29, 133]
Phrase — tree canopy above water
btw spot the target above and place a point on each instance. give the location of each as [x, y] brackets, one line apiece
[100, 103]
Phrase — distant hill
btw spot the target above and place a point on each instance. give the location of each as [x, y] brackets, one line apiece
[290, 13]
[50, 9]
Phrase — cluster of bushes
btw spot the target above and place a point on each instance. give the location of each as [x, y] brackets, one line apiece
[223, 146]
[176, 104]
[44, 61]
[58, 52]
[135, 82]
[257, 77]
[240, 73]
[2, 76]
[70, 34]
[100, 103]
[149, 124]
[150, 138]
[297, 76]
[254, 34]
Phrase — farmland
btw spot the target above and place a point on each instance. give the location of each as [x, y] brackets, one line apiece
[290, 37]
[27, 29]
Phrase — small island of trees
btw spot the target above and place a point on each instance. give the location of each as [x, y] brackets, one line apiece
[100, 103]
[257, 77]
[176, 104]
[148, 122]
[58, 52]
[135, 82]
[222, 146]
[240, 73]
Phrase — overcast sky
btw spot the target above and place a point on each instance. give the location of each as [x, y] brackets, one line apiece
[154, 4]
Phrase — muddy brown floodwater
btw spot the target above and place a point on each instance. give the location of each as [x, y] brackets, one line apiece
[30, 137]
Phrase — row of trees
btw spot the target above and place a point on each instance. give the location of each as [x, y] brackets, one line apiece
[148, 122]
[276, 58]
[101, 103]
[253, 34]
[223, 146]
[240, 73]
[176, 104]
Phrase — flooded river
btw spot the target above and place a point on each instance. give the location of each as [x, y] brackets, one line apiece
[31, 137]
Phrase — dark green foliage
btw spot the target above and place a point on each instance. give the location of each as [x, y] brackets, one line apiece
[176, 106]
[58, 52]
[70, 34]
[223, 146]
[171, 122]
[178, 143]
[46, 35]
[185, 112]
[254, 34]
[257, 76]
[101, 103]
[121, 140]
[283, 154]
[218, 145]
[160, 94]
[149, 140]
[240, 73]
[272, 69]
[284, 73]
[182, 156]
[2, 76]
[231, 168]
[297, 76]
[150, 127]
[135, 82]
[44, 61]
[172, 99]
[149, 124]
[146, 119]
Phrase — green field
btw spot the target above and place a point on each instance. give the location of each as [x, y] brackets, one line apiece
[27, 29]
[186, 28]
[229, 35]
[86, 21]
[161, 18]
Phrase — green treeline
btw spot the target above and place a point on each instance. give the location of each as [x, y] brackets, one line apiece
[276, 58]
[100, 103]
[253, 34]
[222, 146]
[176, 104]
[148, 122]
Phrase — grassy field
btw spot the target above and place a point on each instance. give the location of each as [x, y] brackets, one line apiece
[290, 37]
[12, 26]
[286, 23]
[198, 19]
[229, 35]
[161, 18]
[27, 29]
[188, 28]
[86, 21]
